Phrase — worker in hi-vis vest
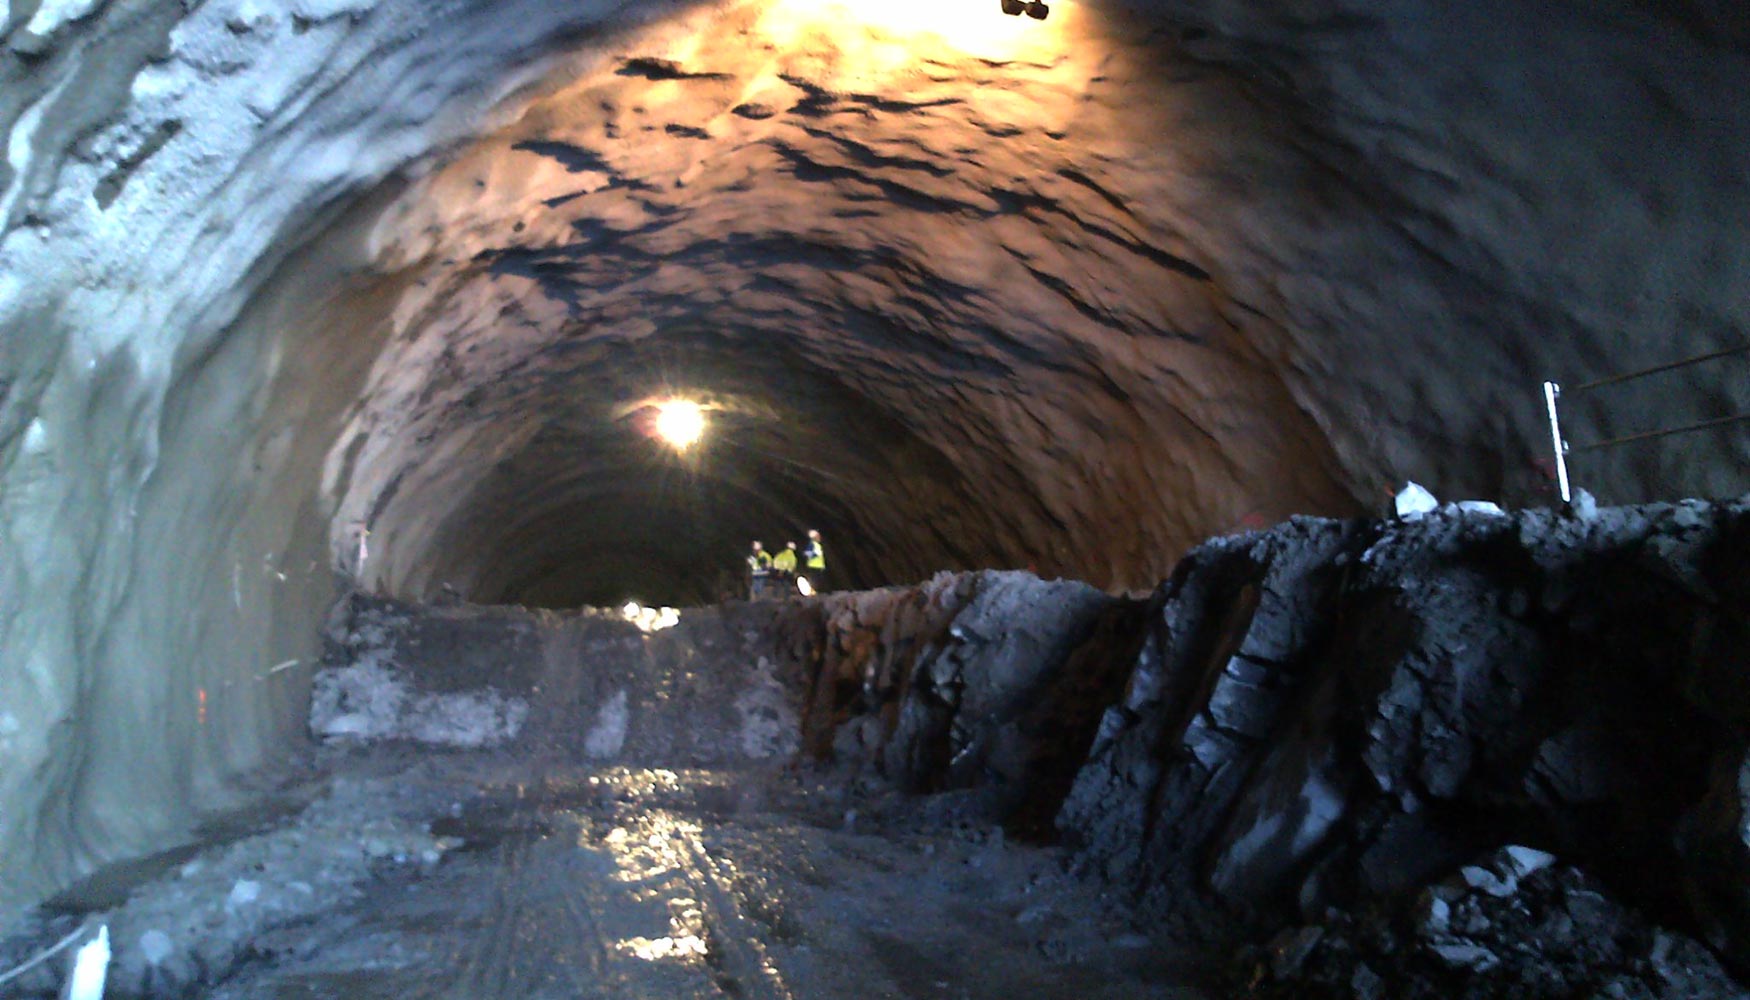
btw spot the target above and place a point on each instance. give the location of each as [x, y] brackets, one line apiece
[784, 563]
[814, 561]
[759, 567]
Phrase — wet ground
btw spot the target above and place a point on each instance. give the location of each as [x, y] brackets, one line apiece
[646, 831]
[627, 882]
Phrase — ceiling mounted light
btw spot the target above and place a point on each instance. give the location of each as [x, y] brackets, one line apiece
[680, 422]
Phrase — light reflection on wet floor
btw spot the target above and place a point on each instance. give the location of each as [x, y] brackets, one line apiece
[628, 882]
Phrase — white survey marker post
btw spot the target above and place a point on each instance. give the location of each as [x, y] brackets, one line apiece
[90, 968]
[364, 550]
[1550, 392]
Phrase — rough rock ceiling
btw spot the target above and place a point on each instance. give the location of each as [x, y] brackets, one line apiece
[965, 289]
[971, 290]
[949, 307]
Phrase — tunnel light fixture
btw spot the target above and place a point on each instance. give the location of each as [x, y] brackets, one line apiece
[680, 422]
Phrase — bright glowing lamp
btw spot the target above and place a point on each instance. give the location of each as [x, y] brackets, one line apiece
[680, 422]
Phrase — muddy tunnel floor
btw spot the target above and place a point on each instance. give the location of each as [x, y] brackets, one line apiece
[560, 881]
[639, 826]
[497, 874]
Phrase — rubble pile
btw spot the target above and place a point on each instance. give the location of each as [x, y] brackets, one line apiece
[370, 700]
[990, 681]
[1333, 714]
[208, 909]
[1515, 925]
[1325, 717]
[602, 683]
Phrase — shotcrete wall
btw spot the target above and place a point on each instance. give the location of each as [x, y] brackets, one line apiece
[963, 290]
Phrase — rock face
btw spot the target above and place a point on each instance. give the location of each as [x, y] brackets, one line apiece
[1337, 714]
[1509, 926]
[1334, 711]
[961, 290]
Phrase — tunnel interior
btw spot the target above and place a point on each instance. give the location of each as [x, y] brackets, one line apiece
[959, 290]
[901, 292]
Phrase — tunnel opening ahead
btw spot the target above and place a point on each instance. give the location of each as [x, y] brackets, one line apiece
[593, 506]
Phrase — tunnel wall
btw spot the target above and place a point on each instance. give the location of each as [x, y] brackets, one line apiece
[240, 242]
[163, 538]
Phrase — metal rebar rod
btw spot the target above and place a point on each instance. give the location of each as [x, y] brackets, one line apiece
[1649, 435]
[43, 956]
[1686, 362]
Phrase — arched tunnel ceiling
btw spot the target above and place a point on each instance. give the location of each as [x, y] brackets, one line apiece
[971, 290]
[946, 301]
[964, 290]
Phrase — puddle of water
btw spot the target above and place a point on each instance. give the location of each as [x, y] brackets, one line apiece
[485, 831]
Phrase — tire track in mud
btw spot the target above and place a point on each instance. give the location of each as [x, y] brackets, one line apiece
[590, 906]
[738, 956]
[554, 895]
[537, 910]
[652, 837]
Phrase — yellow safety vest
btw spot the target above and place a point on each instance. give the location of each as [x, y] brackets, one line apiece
[785, 561]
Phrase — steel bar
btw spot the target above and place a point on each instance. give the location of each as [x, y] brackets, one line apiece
[44, 956]
[1667, 432]
[1686, 362]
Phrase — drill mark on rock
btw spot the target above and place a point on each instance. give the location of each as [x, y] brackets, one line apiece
[1016, 201]
[809, 170]
[1068, 293]
[563, 199]
[817, 101]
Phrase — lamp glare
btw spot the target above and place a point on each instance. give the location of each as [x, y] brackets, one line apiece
[680, 422]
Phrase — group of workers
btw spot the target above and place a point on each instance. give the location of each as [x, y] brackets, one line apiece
[801, 569]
